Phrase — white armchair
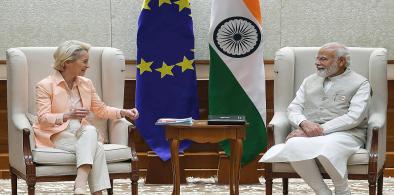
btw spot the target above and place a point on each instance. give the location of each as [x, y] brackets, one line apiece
[292, 65]
[28, 65]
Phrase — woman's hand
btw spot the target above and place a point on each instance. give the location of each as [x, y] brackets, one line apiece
[130, 113]
[77, 113]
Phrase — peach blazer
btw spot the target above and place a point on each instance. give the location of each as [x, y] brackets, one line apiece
[52, 100]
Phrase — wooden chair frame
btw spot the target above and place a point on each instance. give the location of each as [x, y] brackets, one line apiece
[373, 176]
[31, 178]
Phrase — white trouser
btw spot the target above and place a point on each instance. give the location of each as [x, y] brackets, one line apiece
[87, 151]
[309, 171]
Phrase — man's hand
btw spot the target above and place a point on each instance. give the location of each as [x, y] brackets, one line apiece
[296, 133]
[130, 113]
[311, 129]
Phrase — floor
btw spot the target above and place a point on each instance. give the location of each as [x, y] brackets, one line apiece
[194, 186]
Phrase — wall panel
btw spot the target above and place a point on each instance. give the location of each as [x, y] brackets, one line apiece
[48, 23]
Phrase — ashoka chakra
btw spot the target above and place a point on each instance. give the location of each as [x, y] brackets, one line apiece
[237, 37]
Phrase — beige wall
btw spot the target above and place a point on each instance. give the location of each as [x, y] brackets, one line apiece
[114, 23]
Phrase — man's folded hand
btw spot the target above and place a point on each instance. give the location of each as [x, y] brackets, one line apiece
[296, 133]
[311, 129]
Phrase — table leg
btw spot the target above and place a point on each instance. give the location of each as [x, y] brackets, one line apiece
[232, 163]
[237, 163]
[175, 166]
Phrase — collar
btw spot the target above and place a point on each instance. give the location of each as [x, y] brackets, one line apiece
[58, 78]
[347, 71]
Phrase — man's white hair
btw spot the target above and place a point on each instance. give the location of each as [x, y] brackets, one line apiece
[340, 51]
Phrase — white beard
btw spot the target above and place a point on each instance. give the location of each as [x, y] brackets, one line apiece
[328, 71]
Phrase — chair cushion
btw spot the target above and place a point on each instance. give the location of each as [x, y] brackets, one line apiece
[286, 168]
[56, 170]
[53, 156]
[357, 164]
[361, 157]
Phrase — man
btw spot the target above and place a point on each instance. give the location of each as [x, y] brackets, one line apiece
[329, 116]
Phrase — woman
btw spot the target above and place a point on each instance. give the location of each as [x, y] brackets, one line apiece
[64, 101]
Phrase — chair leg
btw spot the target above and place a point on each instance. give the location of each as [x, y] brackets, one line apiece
[31, 188]
[110, 191]
[380, 184]
[134, 176]
[268, 186]
[372, 187]
[285, 183]
[31, 184]
[134, 187]
[13, 183]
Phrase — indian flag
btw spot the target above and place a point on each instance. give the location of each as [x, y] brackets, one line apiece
[236, 80]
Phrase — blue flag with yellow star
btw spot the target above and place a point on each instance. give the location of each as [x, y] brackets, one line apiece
[166, 73]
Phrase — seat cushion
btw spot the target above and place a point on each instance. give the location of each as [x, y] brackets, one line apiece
[357, 164]
[53, 156]
[56, 170]
[361, 157]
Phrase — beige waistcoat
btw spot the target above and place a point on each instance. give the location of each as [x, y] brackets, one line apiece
[321, 107]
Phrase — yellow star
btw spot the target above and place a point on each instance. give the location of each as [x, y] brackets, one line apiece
[183, 4]
[145, 4]
[186, 64]
[165, 70]
[164, 1]
[144, 66]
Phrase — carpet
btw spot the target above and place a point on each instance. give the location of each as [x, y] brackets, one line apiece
[194, 186]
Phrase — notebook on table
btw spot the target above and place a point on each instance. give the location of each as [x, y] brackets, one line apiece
[226, 120]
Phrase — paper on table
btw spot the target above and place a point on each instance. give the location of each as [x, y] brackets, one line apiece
[166, 121]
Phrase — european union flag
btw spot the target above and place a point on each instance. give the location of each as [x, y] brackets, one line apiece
[166, 74]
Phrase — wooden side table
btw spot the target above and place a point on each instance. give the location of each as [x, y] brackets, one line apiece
[201, 132]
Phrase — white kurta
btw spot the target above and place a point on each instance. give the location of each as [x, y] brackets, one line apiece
[336, 145]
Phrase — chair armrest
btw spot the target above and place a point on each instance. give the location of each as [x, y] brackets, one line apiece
[122, 132]
[132, 129]
[377, 120]
[134, 158]
[20, 121]
[22, 124]
[20, 142]
[376, 141]
[118, 131]
[27, 154]
[279, 128]
[374, 152]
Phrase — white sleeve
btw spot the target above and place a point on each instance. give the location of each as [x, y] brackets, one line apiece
[357, 111]
[296, 107]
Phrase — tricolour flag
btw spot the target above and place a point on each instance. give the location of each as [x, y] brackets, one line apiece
[236, 80]
[166, 74]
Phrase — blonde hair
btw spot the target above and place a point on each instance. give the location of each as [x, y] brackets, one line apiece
[68, 51]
